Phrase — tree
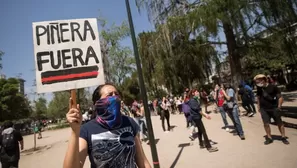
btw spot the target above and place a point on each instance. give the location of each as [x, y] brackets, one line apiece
[129, 89]
[84, 98]
[118, 57]
[13, 105]
[59, 105]
[173, 58]
[1, 54]
[40, 109]
[240, 21]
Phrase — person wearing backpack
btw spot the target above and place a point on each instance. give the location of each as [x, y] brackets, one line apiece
[10, 139]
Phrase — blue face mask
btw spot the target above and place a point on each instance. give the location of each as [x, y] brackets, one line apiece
[109, 111]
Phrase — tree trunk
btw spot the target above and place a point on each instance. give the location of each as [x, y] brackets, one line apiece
[234, 57]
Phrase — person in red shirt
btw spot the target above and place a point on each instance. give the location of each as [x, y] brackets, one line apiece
[220, 99]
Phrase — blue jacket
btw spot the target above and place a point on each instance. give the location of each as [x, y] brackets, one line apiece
[195, 108]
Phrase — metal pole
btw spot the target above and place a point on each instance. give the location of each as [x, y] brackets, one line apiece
[143, 91]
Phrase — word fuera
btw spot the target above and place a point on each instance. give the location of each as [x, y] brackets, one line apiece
[66, 58]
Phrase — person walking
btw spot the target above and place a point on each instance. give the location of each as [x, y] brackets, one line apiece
[232, 110]
[110, 140]
[247, 101]
[270, 103]
[197, 113]
[10, 143]
[165, 114]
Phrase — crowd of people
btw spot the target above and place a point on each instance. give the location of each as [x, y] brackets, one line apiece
[112, 133]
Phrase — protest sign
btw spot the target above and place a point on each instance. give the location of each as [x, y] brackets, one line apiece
[67, 55]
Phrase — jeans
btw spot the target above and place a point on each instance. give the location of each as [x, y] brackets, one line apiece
[234, 115]
[224, 116]
[142, 124]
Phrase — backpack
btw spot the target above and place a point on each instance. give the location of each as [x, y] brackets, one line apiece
[8, 141]
[8, 144]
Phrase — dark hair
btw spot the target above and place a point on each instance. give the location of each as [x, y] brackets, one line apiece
[7, 124]
[97, 92]
[190, 95]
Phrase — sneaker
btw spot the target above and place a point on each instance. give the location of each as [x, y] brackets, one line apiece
[212, 149]
[242, 137]
[285, 141]
[227, 129]
[166, 131]
[191, 137]
[268, 141]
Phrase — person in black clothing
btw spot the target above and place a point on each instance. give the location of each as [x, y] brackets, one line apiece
[9, 146]
[165, 114]
[196, 113]
[270, 102]
[247, 101]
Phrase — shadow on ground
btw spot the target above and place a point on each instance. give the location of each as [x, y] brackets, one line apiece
[275, 137]
[172, 127]
[156, 141]
[181, 146]
[35, 150]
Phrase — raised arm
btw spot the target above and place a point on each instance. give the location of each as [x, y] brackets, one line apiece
[77, 147]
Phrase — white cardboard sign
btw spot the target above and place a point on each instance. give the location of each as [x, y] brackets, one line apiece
[67, 55]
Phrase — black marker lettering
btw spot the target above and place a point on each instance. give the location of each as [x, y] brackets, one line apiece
[76, 55]
[75, 28]
[41, 61]
[52, 58]
[91, 53]
[62, 30]
[88, 27]
[65, 58]
[54, 29]
[40, 31]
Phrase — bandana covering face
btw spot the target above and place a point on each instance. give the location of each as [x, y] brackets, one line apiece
[109, 111]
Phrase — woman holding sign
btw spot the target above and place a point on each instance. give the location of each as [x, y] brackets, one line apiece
[110, 140]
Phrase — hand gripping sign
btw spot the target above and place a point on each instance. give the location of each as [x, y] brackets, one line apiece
[67, 55]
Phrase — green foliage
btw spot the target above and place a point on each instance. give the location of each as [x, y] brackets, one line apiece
[119, 58]
[1, 54]
[13, 105]
[59, 105]
[242, 23]
[40, 108]
[84, 98]
[129, 89]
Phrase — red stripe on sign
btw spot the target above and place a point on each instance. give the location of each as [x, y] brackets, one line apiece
[70, 76]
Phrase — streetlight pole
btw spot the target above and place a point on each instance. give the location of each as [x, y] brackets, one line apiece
[143, 91]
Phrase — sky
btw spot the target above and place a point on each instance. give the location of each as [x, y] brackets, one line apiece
[16, 18]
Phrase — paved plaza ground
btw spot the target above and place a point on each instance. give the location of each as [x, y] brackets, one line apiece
[176, 150]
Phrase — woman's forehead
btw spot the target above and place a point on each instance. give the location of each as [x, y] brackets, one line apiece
[108, 88]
